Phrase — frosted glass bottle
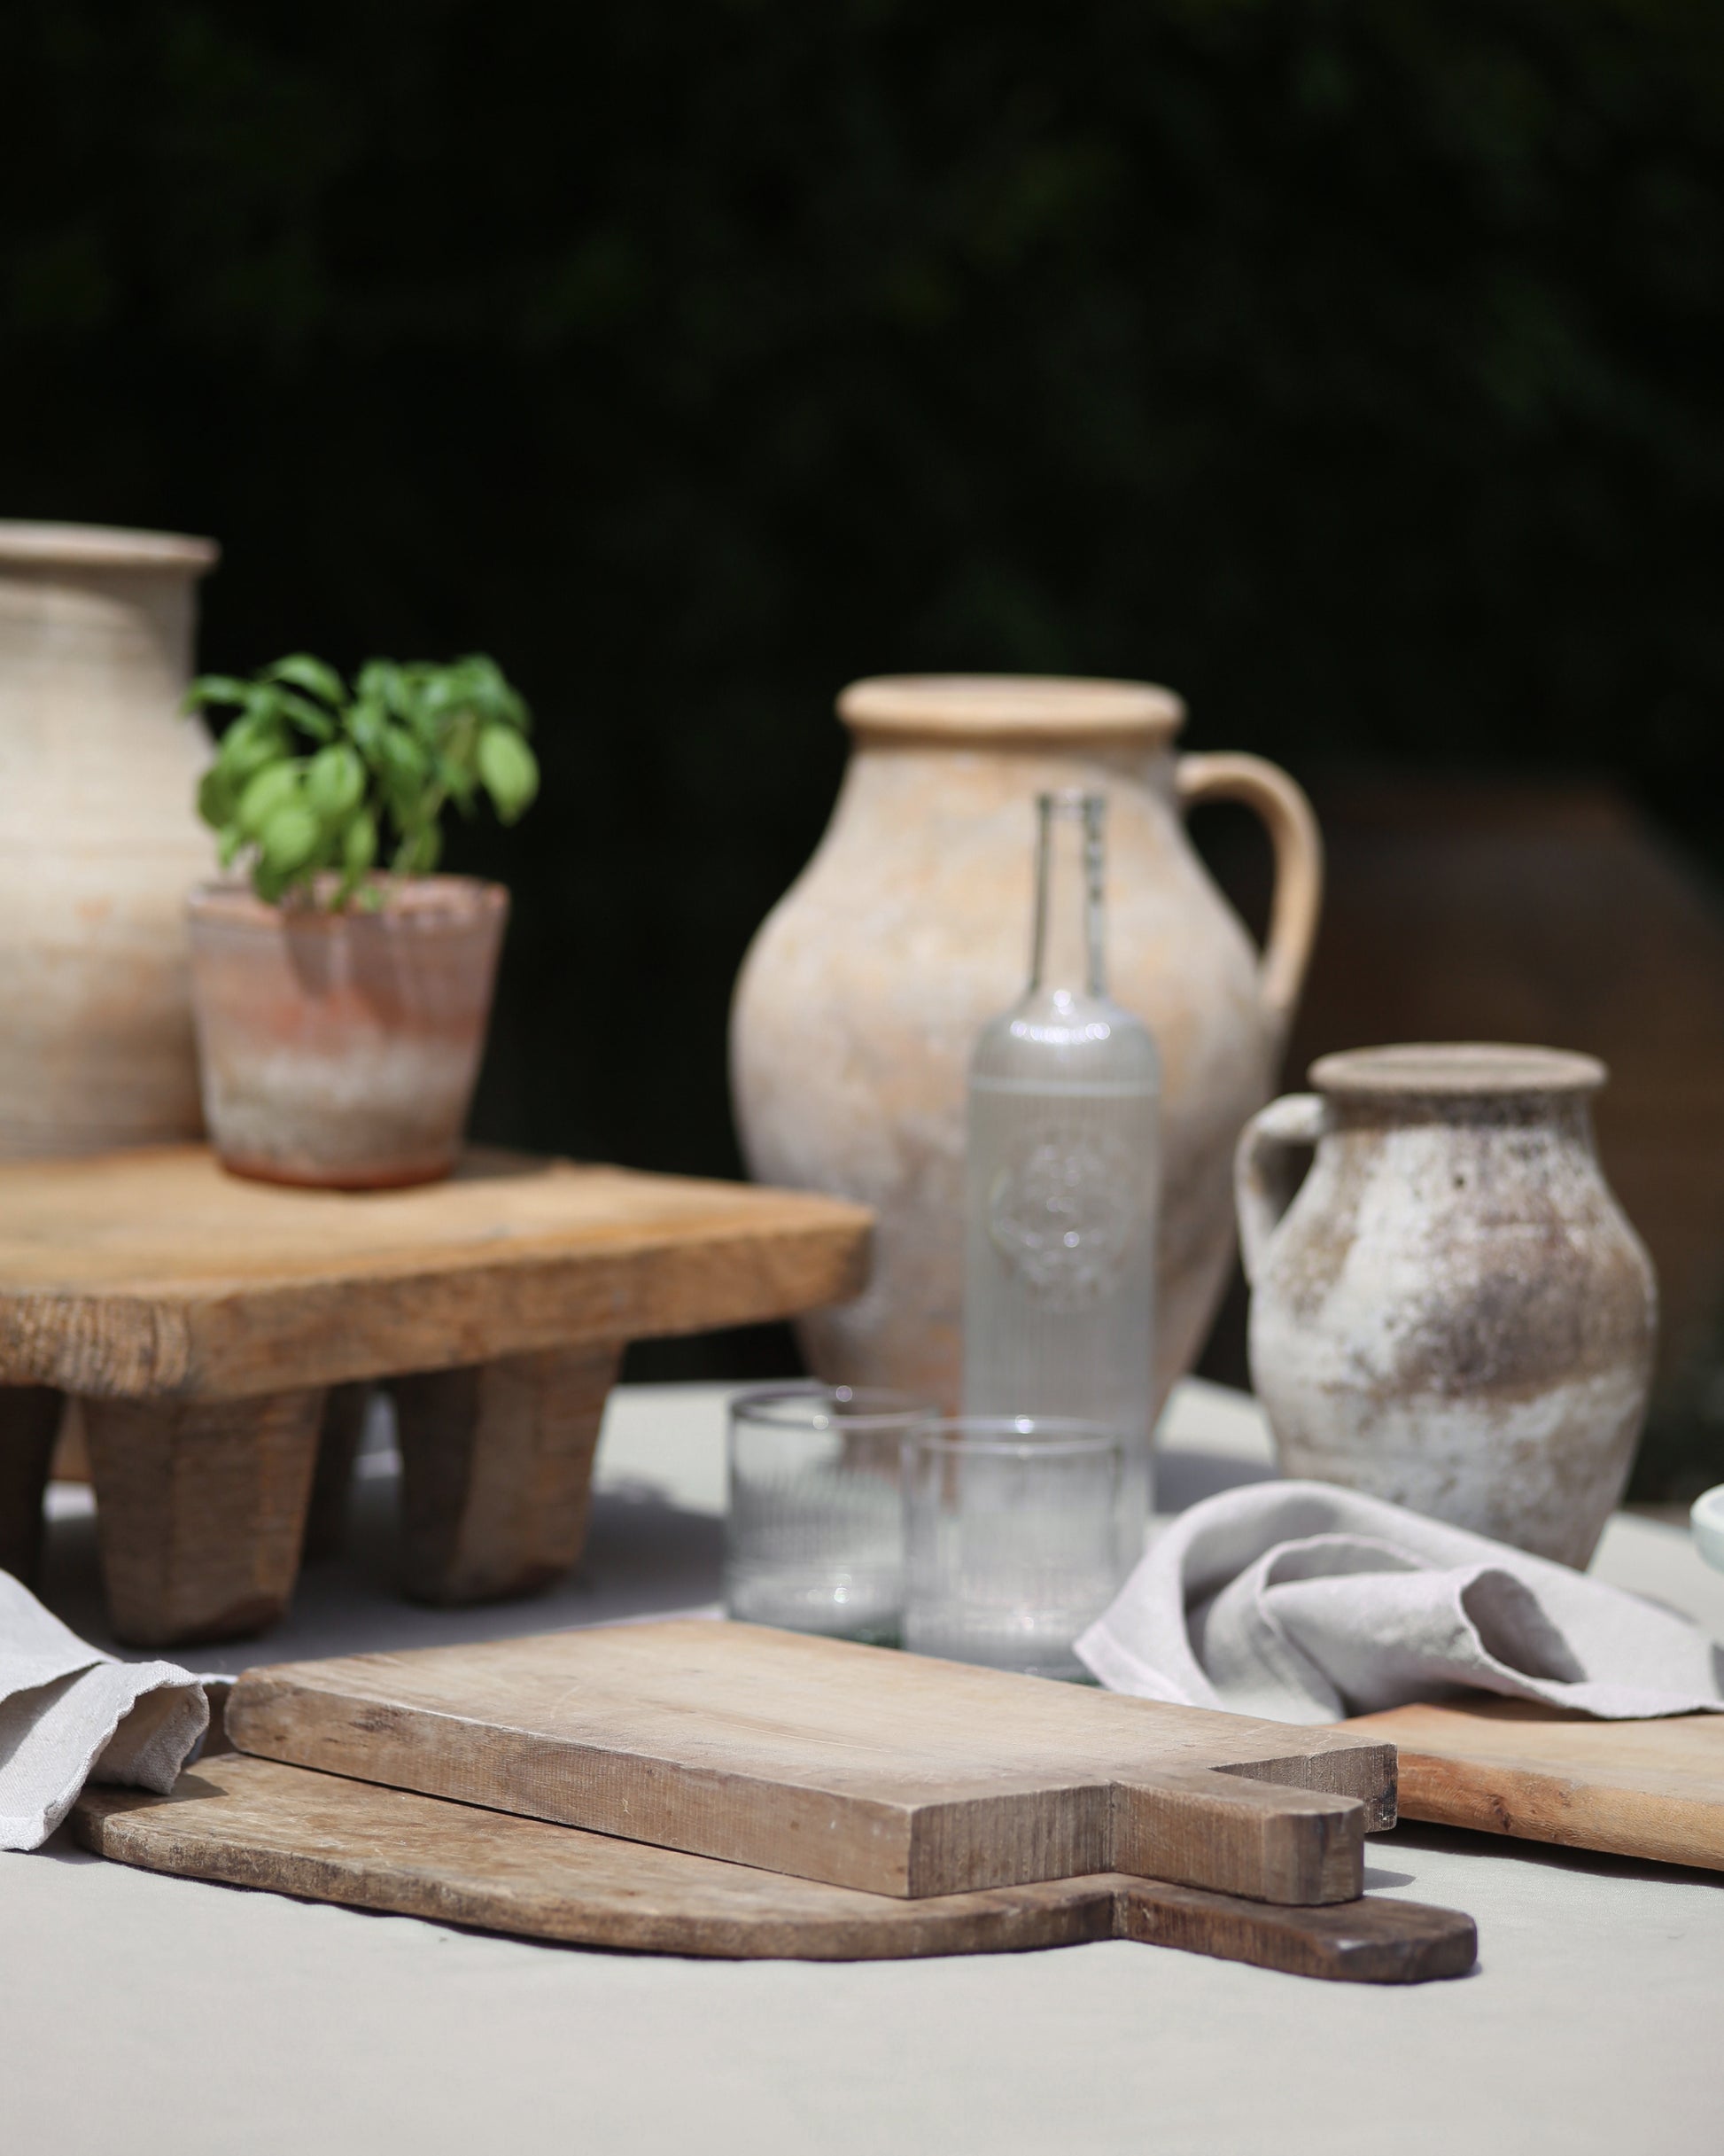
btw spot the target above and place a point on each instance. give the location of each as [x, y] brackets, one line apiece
[1063, 1169]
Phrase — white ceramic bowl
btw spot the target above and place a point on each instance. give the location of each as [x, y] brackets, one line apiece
[1708, 1519]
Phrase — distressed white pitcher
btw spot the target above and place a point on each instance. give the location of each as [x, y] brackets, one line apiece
[1453, 1312]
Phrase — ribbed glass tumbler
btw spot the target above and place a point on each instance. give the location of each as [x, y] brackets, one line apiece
[815, 1535]
[1019, 1533]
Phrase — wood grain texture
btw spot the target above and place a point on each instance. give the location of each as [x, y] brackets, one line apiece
[891, 1773]
[153, 1273]
[497, 1471]
[29, 1420]
[200, 1511]
[1648, 1789]
[1364, 1941]
[1303, 1845]
[253, 1823]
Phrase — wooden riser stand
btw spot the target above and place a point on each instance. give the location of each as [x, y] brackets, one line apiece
[221, 1337]
[205, 1506]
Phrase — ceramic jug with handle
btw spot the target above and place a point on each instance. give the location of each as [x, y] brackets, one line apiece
[861, 997]
[1452, 1312]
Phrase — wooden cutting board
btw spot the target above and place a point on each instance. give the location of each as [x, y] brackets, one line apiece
[858, 1766]
[251, 1823]
[1652, 1789]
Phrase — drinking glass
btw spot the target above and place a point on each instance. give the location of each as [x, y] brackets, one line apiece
[815, 1535]
[1019, 1532]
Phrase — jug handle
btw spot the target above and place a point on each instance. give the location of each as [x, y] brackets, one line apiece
[1262, 1189]
[1293, 830]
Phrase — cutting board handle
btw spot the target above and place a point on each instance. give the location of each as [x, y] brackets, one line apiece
[1375, 1940]
[1202, 1827]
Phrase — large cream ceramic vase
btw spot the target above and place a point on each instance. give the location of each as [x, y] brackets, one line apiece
[99, 842]
[860, 999]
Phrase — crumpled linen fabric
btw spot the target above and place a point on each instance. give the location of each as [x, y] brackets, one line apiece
[70, 1713]
[1304, 1602]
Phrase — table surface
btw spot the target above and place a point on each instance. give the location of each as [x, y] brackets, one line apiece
[159, 2015]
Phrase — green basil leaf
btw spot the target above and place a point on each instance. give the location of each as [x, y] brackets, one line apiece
[263, 703]
[309, 674]
[381, 681]
[509, 769]
[305, 714]
[359, 843]
[335, 779]
[289, 839]
[275, 787]
[403, 758]
[366, 722]
[215, 689]
[216, 798]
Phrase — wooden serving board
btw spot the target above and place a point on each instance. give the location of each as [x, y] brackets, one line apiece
[1650, 1789]
[251, 1823]
[858, 1766]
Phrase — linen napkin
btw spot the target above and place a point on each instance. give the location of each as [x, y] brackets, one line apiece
[70, 1713]
[1302, 1602]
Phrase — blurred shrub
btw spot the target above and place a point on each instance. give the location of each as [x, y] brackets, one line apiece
[1352, 365]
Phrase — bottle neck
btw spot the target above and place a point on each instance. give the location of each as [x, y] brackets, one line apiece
[1068, 951]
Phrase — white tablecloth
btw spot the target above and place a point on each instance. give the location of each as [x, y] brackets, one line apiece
[156, 2014]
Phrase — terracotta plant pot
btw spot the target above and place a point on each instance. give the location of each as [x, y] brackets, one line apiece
[861, 997]
[1453, 1312]
[341, 1049]
[98, 841]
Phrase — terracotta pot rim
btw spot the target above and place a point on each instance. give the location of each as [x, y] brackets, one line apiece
[1010, 706]
[418, 904]
[1454, 1070]
[101, 546]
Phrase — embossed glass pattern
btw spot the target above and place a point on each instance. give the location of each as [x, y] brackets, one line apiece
[1018, 1534]
[1063, 1171]
[814, 1534]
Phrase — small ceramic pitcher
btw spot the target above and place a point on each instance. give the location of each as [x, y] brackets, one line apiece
[1453, 1311]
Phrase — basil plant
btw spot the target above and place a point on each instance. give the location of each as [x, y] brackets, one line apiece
[320, 785]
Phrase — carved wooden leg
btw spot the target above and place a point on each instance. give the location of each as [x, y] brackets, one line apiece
[497, 1471]
[337, 1447]
[200, 1511]
[29, 1417]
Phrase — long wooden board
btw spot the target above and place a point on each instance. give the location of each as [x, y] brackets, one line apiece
[854, 1766]
[251, 1823]
[1649, 1789]
[150, 1273]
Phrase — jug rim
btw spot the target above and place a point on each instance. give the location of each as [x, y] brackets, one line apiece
[100, 546]
[1455, 1070]
[969, 706]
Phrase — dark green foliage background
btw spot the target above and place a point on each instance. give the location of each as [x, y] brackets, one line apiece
[1354, 367]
